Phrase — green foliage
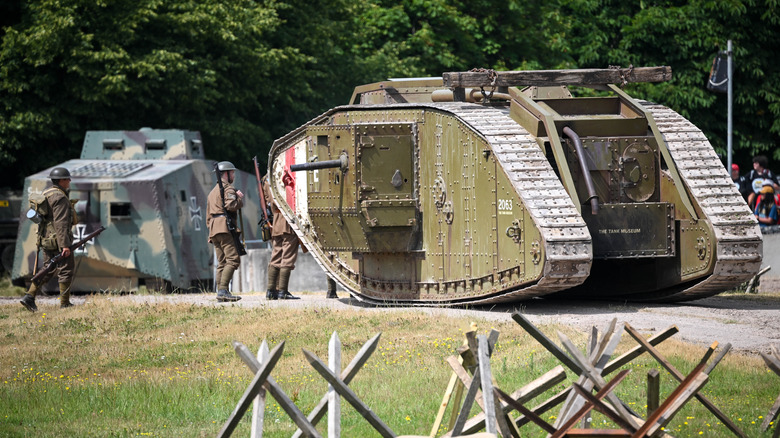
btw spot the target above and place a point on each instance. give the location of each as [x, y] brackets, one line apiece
[422, 38]
[244, 72]
[686, 36]
[75, 65]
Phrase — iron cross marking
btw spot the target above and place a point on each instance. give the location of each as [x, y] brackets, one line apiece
[195, 216]
[81, 231]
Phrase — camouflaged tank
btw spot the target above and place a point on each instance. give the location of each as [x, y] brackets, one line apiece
[485, 187]
[149, 189]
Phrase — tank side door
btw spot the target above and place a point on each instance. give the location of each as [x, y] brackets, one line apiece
[386, 181]
[331, 203]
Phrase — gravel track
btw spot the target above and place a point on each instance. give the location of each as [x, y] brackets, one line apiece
[749, 323]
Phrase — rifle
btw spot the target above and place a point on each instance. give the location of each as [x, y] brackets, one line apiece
[231, 226]
[265, 229]
[48, 266]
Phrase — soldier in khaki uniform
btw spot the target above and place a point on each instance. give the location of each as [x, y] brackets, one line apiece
[283, 254]
[55, 237]
[228, 259]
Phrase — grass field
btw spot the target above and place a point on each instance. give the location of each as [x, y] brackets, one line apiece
[112, 368]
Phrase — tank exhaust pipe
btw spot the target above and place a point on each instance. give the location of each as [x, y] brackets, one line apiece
[592, 197]
[341, 163]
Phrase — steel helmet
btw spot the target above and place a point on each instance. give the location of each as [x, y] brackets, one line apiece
[59, 173]
[224, 166]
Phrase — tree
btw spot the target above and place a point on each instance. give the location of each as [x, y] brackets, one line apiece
[77, 65]
[422, 38]
[686, 36]
[245, 72]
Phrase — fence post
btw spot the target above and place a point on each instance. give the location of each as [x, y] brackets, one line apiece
[334, 401]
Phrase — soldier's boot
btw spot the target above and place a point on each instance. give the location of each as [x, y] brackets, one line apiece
[284, 295]
[65, 296]
[223, 295]
[331, 289]
[273, 278]
[28, 301]
[284, 280]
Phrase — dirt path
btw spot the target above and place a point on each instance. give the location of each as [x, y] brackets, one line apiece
[750, 323]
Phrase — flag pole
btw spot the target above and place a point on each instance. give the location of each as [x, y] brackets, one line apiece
[730, 119]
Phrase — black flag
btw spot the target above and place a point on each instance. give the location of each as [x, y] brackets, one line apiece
[719, 75]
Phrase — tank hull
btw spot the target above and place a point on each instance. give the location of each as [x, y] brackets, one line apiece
[456, 202]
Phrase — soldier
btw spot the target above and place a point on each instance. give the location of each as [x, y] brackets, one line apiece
[228, 259]
[55, 237]
[284, 252]
[331, 289]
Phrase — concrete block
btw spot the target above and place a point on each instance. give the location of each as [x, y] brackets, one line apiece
[252, 276]
[770, 282]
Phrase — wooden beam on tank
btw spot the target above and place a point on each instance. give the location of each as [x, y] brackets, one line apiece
[589, 76]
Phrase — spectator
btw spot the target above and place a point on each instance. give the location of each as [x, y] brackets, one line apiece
[735, 176]
[752, 182]
[766, 209]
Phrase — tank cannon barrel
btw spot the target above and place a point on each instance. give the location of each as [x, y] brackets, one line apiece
[341, 163]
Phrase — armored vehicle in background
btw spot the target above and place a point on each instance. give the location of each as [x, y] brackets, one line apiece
[486, 187]
[149, 189]
[10, 204]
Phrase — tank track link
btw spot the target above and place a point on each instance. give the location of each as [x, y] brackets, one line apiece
[739, 245]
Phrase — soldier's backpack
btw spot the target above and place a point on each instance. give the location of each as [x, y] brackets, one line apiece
[39, 208]
[39, 213]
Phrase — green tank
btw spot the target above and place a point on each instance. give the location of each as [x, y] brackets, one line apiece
[149, 189]
[486, 187]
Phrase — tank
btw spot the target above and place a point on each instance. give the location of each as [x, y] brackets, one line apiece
[10, 204]
[485, 187]
[149, 189]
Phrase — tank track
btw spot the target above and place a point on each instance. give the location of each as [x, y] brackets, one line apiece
[739, 245]
[565, 236]
[566, 240]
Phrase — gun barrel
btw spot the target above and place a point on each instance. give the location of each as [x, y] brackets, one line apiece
[331, 164]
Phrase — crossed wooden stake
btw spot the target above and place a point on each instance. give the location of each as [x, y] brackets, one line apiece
[591, 372]
[578, 400]
[773, 362]
[306, 425]
[472, 371]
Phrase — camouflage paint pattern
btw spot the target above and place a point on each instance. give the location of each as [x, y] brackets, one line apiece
[153, 207]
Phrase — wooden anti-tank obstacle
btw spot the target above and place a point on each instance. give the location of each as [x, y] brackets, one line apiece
[472, 374]
[263, 382]
[576, 401]
[772, 361]
[590, 374]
